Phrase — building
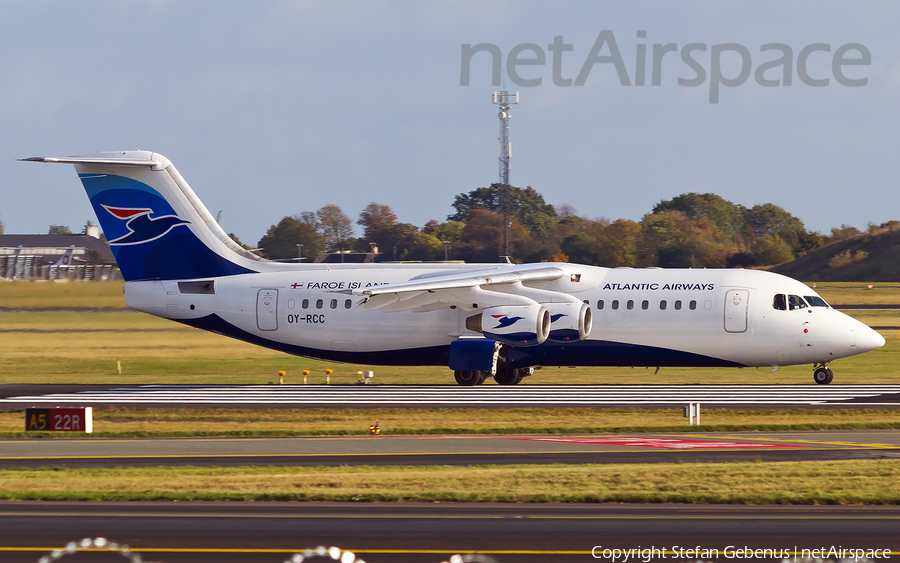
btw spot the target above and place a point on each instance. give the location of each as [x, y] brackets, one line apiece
[25, 257]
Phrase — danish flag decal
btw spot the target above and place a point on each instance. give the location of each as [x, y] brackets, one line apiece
[141, 228]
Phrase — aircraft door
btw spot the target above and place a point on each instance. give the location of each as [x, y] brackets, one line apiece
[266, 309]
[736, 304]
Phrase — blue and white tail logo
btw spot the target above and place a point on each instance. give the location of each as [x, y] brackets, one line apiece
[142, 228]
[147, 236]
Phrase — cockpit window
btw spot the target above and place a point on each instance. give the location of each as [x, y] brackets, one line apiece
[815, 301]
[796, 302]
[779, 303]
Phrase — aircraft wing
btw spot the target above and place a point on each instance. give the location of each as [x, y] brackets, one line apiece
[466, 290]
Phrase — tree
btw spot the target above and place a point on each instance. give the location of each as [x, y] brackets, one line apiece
[581, 248]
[844, 232]
[670, 239]
[482, 236]
[334, 226]
[430, 227]
[87, 225]
[395, 240]
[526, 205]
[771, 249]
[309, 218]
[404, 239]
[769, 219]
[450, 231]
[619, 243]
[425, 246]
[1, 227]
[728, 217]
[281, 240]
[378, 223]
[60, 230]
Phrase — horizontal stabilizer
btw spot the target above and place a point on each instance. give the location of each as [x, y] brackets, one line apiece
[124, 161]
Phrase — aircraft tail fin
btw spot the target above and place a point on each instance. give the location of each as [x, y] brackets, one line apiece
[66, 259]
[156, 226]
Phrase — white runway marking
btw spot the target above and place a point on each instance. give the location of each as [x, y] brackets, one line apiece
[446, 395]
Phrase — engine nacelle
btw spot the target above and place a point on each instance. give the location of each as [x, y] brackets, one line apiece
[569, 322]
[516, 325]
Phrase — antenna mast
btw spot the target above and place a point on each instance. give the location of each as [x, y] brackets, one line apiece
[504, 152]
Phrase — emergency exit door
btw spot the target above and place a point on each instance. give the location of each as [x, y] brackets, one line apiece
[736, 306]
[267, 309]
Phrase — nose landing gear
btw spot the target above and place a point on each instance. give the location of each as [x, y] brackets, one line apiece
[822, 375]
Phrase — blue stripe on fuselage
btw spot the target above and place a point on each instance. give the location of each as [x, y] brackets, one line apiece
[581, 353]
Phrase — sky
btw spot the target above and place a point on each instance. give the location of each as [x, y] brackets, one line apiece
[273, 108]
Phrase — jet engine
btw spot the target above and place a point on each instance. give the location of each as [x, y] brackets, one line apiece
[569, 322]
[516, 325]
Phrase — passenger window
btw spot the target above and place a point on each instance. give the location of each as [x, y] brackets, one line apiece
[645, 304]
[630, 304]
[795, 302]
[693, 305]
[305, 304]
[678, 305]
[779, 303]
[334, 303]
[662, 305]
[600, 305]
[815, 301]
[615, 304]
[319, 303]
[347, 304]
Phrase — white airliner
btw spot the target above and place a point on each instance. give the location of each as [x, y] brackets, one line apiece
[481, 320]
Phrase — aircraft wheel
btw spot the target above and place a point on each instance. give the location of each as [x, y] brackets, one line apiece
[823, 376]
[468, 377]
[482, 375]
[510, 376]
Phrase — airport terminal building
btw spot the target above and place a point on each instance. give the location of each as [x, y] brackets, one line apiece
[24, 257]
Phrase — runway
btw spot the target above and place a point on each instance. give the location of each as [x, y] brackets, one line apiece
[450, 396]
[430, 533]
[453, 450]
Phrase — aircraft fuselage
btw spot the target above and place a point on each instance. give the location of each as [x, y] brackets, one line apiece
[641, 317]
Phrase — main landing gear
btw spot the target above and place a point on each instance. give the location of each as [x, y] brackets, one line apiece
[512, 376]
[822, 375]
[503, 376]
[470, 376]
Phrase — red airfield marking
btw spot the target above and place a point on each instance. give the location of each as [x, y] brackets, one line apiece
[664, 443]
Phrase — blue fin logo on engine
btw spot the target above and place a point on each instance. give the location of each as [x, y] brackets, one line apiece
[506, 320]
[556, 317]
[141, 227]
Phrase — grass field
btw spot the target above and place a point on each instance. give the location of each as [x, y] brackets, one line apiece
[858, 293]
[815, 482]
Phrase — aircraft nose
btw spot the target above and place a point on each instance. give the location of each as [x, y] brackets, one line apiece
[868, 339]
